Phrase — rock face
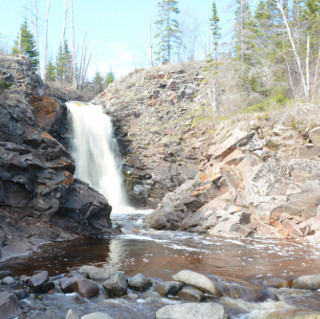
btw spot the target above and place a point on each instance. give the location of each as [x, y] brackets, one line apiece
[155, 117]
[39, 197]
[252, 182]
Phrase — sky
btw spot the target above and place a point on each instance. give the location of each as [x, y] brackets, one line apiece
[115, 29]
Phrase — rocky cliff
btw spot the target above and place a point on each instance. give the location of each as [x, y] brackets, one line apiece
[39, 198]
[252, 175]
[155, 113]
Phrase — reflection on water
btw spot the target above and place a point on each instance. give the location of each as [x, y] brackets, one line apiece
[160, 254]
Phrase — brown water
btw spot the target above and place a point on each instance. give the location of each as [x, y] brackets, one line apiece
[160, 254]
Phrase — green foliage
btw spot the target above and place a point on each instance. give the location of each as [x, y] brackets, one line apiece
[169, 33]
[50, 72]
[27, 45]
[63, 64]
[98, 82]
[109, 79]
[215, 30]
[4, 85]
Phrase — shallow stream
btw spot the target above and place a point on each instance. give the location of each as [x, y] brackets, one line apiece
[247, 263]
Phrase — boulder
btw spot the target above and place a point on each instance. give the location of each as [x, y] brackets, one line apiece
[198, 281]
[37, 281]
[67, 284]
[72, 315]
[314, 136]
[96, 315]
[311, 282]
[47, 287]
[167, 288]
[139, 282]
[86, 288]
[9, 305]
[192, 311]
[95, 273]
[116, 284]
[8, 280]
[191, 294]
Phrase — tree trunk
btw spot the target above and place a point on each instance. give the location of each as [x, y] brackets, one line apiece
[46, 43]
[298, 61]
[74, 54]
[150, 43]
[64, 24]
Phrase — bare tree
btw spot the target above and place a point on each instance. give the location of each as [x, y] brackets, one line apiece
[46, 42]
[150, 43]
[297, 57]
[64, 24]
[74, 54]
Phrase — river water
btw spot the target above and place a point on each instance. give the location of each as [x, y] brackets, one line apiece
[247, 264]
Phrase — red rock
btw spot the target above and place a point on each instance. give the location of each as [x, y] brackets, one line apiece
[86, 288]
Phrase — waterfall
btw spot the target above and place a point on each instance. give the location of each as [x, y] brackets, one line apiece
[96, 152]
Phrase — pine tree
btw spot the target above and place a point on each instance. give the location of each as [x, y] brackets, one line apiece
[50, 72]
[98, 82]
[63, 65]
[25, 44]
[215, 30]
[168, 34]
[109, 79]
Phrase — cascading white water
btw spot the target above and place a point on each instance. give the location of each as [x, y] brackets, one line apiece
[96, 152]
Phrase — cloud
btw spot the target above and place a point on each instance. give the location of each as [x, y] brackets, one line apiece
[116, 57]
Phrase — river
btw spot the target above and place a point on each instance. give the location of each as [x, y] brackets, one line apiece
[248, 263]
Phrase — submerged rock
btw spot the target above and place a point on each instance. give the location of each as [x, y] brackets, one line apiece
[198, 281]
[311, 282]
[192, 311]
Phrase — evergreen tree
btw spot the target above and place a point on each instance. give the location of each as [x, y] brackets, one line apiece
[63, 65]
[215, 30]
[109, 79]
[168, 34]
[98, 82]
[25, 44]
[50, 72]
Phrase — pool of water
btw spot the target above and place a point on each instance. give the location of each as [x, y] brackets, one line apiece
[161, 254]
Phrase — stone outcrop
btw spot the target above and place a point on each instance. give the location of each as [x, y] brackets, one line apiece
[39, 197]
[156, 113]
[253, 181]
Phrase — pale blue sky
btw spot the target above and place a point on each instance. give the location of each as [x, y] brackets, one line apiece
[116, 29]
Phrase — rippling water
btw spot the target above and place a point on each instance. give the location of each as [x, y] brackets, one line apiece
[160, 254]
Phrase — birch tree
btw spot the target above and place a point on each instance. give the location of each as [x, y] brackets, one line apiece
[45, 63]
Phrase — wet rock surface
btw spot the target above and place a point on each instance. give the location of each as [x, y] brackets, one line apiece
[9, 305]
[192, 311]
[40, 199]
